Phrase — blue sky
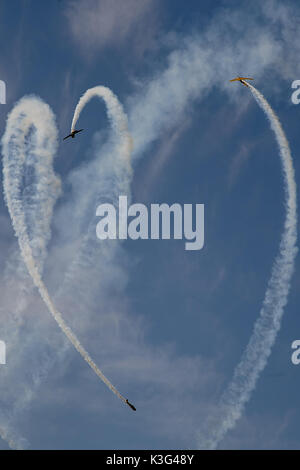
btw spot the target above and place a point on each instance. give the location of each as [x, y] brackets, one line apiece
[167, 326]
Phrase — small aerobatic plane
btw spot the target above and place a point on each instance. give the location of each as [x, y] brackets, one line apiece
[242, 80]
[73, 133]
[131, 406]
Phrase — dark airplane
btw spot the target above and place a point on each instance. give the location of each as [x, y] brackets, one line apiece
[73, 133]
[131, 406]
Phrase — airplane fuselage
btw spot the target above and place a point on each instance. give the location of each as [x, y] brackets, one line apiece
[72, 134]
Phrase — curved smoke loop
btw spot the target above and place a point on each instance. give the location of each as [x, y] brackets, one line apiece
[255, 356]
[33, 119]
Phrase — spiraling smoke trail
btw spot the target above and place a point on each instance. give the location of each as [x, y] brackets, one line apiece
[38, 202]
[119, 123]
[115, 113]
[109, 175]
[13, 142]
[255, 356]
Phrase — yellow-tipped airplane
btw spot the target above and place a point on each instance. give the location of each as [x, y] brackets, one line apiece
[242, 80]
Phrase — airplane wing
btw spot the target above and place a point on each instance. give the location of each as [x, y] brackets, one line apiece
[79, 130]
[234, 80]
[70, 135]
[247, 78]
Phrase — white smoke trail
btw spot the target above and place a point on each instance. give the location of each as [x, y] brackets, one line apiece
[109, 176]
[40, 189]
[40, 194]
[115, 114]
[18, 126]
[255, 356]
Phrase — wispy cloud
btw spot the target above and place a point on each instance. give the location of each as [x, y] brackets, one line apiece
[239, 161]
[96, 24]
